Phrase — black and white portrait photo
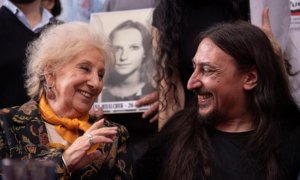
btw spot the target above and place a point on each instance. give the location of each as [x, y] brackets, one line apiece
[130, 75]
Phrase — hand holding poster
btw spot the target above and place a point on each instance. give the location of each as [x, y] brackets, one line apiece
[285, 24]
[292, 52]
[130, 76]
[279, 13]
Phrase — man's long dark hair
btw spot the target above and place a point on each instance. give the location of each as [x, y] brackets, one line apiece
[270, 102]
[168, 18]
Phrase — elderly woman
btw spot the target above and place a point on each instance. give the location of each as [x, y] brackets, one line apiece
[65, 72]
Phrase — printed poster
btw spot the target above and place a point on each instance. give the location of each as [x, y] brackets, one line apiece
[130, 74]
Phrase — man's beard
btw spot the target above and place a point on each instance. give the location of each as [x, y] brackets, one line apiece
[22, 1]
[211, 119]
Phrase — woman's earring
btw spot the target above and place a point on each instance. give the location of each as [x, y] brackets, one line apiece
[49, 92]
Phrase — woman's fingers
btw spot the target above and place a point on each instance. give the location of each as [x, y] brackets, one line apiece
[100, 135]
[102, 139]
[96, 125]
[102, 131]
[76, 156]
[83, 143]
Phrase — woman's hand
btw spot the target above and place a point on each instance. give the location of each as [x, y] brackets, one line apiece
[152, 100]
[76, 155]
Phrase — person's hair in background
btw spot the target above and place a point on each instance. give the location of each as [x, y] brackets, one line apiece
[61, 52]
[54, 6]
[56, 9]
[145, 72]
[270, 103]
[178, 22]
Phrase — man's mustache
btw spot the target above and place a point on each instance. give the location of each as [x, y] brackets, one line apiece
[201, 91]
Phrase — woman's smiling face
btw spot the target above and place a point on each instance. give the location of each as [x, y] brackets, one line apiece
[78, 83]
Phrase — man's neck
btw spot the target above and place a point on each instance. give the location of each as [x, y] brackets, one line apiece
[32, 12]
[241, 124]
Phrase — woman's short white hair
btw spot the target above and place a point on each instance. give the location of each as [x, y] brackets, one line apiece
[56, 46]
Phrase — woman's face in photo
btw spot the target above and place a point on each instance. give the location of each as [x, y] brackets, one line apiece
[129, 50]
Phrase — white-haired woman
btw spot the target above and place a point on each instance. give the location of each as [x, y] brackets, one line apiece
[64, 77]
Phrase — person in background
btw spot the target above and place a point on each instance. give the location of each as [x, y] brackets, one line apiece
[79, 10]
[121, 5]
[244, 124]
[130, 76]
[64, 76]
[21, 21]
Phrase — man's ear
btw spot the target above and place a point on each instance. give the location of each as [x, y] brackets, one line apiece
[250, 80]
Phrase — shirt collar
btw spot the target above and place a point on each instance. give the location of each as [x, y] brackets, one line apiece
[46, 16]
